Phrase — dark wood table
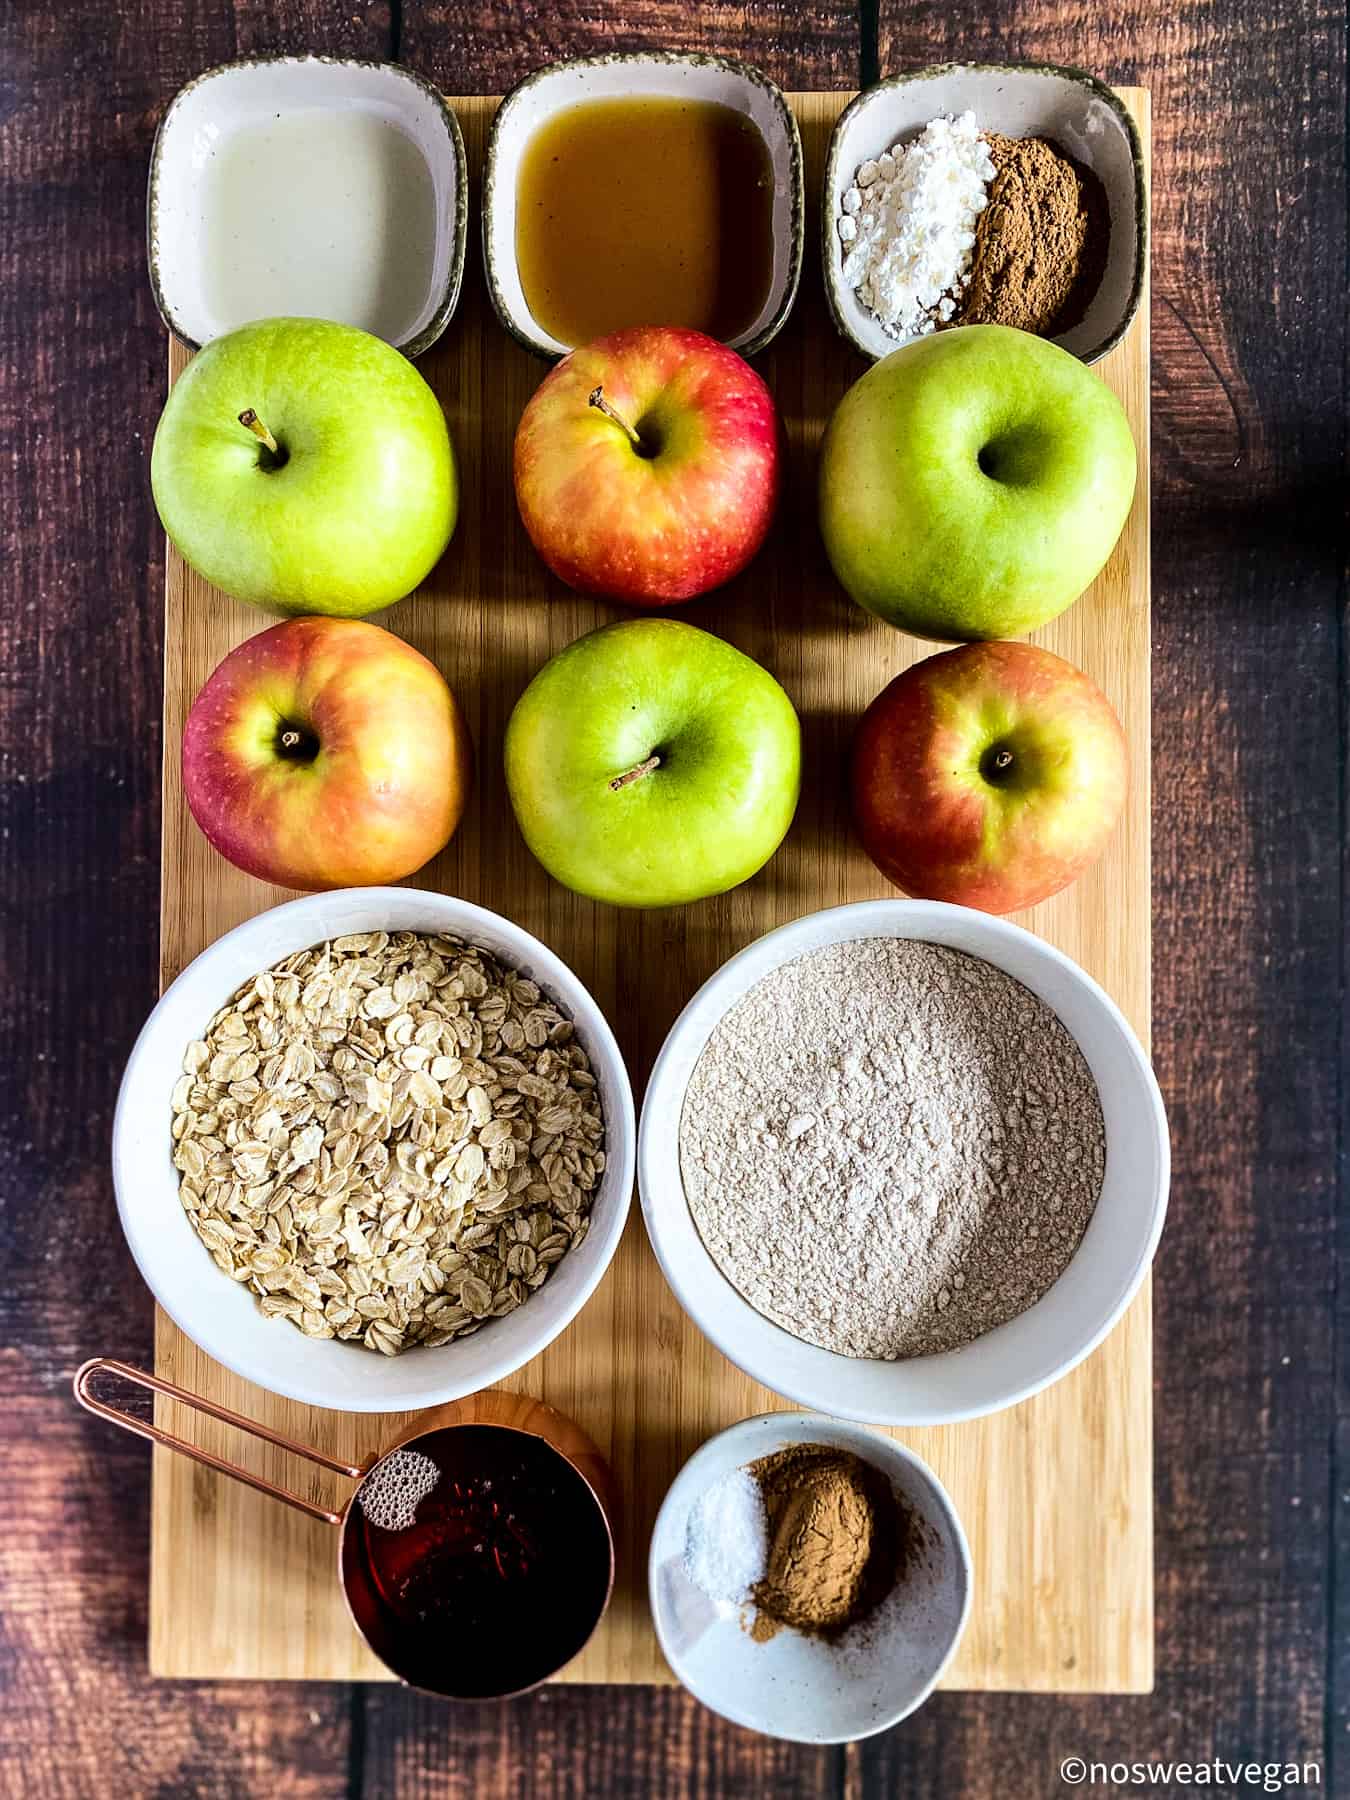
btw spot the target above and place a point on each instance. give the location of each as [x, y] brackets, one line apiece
[1249, 453]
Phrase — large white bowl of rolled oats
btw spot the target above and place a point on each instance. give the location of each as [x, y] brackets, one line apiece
[374, 1149]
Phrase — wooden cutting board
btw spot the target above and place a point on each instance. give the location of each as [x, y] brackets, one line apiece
[1056, 1494]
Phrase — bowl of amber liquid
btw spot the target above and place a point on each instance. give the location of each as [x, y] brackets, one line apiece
[653, 188]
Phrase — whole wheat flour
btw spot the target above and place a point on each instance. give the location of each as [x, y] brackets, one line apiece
[891, 1148]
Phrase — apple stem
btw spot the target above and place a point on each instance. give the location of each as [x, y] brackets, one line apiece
[290, 740]
[249, 418]
[599, 402]
[637, 772]
[1002, 760]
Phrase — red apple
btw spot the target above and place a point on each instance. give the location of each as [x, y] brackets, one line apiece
[646, 466]
[326, 753]
[991, 776]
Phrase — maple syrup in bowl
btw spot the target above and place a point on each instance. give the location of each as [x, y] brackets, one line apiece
[477, 1560]
[649, 211]
[646, 188]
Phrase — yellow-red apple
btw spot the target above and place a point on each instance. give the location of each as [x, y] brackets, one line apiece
[326, 753]
[646, 466]
[990, 776]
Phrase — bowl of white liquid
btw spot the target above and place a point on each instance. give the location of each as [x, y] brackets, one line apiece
[310, 187]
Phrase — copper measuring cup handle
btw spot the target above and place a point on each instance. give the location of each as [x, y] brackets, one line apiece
[129, 1422]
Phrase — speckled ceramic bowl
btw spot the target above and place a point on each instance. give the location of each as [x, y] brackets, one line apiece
[1073, 109]
[623, 77]
[258, 88]
[793, 1686]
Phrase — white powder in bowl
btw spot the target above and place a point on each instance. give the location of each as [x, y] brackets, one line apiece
[890, 1147]
[907, 225]
[727, 1543]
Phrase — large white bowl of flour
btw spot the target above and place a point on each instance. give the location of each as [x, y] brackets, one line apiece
[1005, 1364]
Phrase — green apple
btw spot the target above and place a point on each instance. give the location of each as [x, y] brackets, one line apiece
[973, 483]
[305, 467]
[651, 763]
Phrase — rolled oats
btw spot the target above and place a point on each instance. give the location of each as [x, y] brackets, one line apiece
[390, 1138]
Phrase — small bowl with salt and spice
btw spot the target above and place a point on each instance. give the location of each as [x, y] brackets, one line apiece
[654, 188]
[971, 194]
[903, 1161]
[808, 1579]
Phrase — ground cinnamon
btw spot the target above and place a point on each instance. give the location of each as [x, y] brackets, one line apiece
[1040, 241]
[838, 1540]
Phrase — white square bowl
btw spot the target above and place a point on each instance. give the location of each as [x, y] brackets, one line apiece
[222, 100]
[1070, 107]
[656, 74]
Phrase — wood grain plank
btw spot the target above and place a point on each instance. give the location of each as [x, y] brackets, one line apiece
[1250, 114]
[1249, 407]
[81, 355]
[474, 47]
[222, 1554]
[580, 1743]
[80, 707]
[1248, 229]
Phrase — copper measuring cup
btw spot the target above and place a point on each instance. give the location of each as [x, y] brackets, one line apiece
[509, 1427]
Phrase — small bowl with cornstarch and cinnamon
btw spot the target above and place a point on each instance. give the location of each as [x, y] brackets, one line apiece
[808, 1579]
[973, 194]
[903, 1161]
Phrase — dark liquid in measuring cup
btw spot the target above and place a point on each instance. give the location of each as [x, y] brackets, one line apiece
[477, 1560]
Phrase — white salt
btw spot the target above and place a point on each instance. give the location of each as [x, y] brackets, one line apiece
[727, 1541]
